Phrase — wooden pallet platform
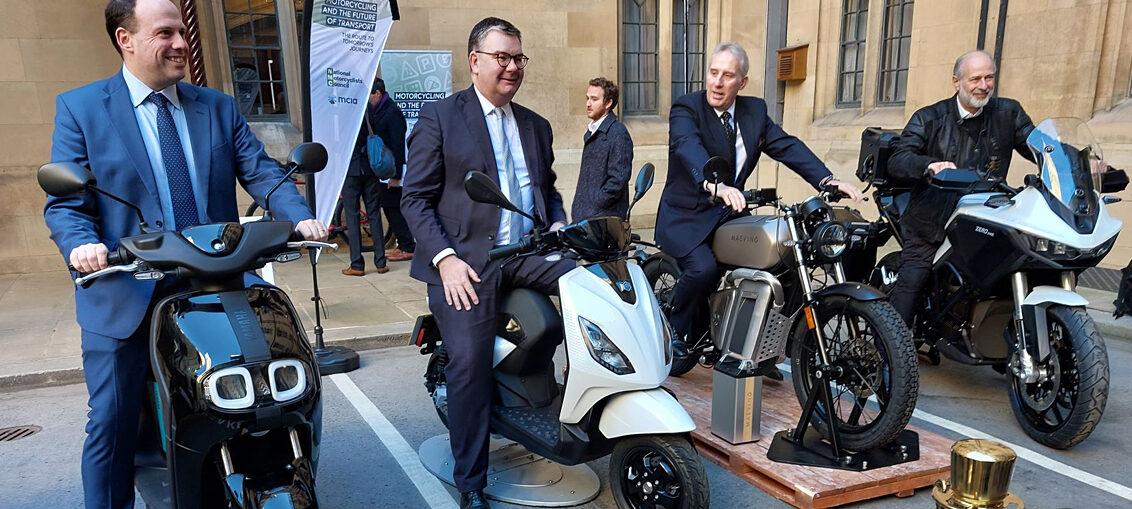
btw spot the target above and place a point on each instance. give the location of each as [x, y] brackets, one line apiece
[797, 485]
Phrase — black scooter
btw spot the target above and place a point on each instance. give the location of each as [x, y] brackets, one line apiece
[234, 414]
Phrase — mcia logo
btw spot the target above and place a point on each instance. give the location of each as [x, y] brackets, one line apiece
[335, 99]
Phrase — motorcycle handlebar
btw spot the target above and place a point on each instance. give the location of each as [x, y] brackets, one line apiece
[506, 250]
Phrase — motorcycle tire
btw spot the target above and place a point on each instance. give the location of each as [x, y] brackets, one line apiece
[662, 274]
[657, 471]
[881, 377]
[1079, 383]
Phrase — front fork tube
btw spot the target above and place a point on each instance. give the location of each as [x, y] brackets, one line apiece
[226, 455]
[1026, 325]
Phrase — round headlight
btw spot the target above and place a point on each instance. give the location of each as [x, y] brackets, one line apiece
[831, 239]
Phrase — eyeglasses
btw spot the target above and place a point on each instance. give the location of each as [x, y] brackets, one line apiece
[505, 59]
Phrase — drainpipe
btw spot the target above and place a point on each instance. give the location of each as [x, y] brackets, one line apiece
[998, 36]
[983, 25]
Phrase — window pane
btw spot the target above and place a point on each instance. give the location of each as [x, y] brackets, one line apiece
[895, 48]
[254, 52]
[851, 55]
[639, 50]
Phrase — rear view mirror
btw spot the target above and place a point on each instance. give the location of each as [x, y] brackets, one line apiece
[308, 158]
[64, 179]
[954, 179]
[1113, 181]
[715, 170]
[644, 181]
[482, 189]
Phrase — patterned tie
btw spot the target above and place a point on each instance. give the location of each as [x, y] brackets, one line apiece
[725, 117]
[508, 174]
[176, 168]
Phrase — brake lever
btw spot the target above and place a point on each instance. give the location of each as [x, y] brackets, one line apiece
[311, 243]
[84, 280]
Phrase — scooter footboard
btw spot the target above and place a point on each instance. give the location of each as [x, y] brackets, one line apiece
[650, 412]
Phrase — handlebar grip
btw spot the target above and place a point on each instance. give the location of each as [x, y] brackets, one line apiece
[509, 249]
[117, 257]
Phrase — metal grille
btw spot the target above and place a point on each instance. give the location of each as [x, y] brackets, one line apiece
[15, 433]
[772, 340]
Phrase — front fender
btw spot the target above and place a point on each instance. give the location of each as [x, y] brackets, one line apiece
[855, 291]
[650, 412]
[1046, 295]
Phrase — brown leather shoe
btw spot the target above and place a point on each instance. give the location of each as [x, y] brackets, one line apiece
[381, 270]
[350, 271]
[397, 255]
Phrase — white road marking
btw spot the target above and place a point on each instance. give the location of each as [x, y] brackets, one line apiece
[1030, 455]
[433, 492]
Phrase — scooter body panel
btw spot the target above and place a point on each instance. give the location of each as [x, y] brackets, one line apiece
[648, 412]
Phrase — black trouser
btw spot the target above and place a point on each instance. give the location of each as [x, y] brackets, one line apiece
[700, 274]
[915, 267]
[469, 337]
[391, 204]
[369, 189]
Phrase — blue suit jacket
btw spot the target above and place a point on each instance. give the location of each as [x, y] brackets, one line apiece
[450, 139]
[695, 134]
[95, 126]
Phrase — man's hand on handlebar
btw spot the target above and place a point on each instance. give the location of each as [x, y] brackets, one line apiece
[89, 258]
[939, 166]
[731, 196]
[312, 229]
[457, 277]
[557, 226]
[849, 190]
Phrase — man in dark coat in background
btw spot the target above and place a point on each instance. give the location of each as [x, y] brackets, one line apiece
[607, 157]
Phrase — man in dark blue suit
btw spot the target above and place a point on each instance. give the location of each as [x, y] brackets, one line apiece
[174, 150]
[716, 122]
[478, 129]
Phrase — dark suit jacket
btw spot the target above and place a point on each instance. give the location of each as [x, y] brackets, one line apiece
[388, 122]
[450, 139]
[95, 126]
[686, 218]
[603, 181]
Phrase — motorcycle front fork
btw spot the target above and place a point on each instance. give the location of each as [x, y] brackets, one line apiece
[1025, 364]
[226, 455]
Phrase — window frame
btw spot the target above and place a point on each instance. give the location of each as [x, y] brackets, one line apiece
[279, 48]
[889, 41]
[629, 103]
[860, 43]
[689, 52]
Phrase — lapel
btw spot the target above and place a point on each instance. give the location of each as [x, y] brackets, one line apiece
[477, 128]
[199, 122]
[530, 153]
[601, 128]
[749, 130]
[120, 111]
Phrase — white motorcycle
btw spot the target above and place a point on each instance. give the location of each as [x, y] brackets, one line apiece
[618, 346]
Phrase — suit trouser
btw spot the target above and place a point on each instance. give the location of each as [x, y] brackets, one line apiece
[469, 338]
[369, 189]
[391, 205]
[916, 258]
[689, 296]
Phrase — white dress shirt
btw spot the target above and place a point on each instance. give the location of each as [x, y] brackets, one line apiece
[740, 148]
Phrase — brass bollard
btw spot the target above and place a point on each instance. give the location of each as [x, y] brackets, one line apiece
[980, 477]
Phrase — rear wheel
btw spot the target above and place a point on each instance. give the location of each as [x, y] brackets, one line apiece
[656, 471]
[662, 274]
[875, 394]
[1064, 408]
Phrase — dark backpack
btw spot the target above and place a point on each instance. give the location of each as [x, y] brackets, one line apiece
[1123, 300]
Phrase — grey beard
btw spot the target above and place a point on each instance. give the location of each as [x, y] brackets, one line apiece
[970, 100]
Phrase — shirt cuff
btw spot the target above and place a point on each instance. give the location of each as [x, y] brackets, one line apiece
[440, 256]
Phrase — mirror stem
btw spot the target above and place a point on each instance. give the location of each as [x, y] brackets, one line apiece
[141, 219]
[267, 198]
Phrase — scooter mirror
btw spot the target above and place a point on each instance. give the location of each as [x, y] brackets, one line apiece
[64, 179]
[715, 169]
[482, 189]
[308, 158]
[1113, 181]
[644, 181]
[954, 179]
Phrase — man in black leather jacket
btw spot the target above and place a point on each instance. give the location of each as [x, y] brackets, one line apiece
[970, 130]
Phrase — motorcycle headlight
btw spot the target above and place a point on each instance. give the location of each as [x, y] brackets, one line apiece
[1055, 250]
[603, 350]
[830, 239]
[287, 378]
[230, 388]
[668, 335]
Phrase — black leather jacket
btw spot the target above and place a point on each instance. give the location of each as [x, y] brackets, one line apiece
[936, 133]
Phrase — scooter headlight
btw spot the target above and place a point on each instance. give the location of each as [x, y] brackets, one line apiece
[230, 388]
[287, 378]
[830, 239]
[603, 350]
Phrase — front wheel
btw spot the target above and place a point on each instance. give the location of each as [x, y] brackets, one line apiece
[875, 394]
[657, 471]
[1064, 408]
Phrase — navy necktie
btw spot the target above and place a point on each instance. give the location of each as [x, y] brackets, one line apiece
[176, 168]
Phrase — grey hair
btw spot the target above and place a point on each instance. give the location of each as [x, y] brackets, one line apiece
[485, 26]
[958, 70]
[736, 50]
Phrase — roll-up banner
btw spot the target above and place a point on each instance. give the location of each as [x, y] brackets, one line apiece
[346, 41]
[414, 78]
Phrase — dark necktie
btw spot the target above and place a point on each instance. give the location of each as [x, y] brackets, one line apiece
[728, 128]
[176, 168]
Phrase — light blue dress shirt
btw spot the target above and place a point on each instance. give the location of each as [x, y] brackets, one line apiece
[146, 114]
[526, 200]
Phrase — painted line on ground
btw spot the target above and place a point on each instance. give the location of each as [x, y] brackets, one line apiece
[433, 492]
[1029, 455]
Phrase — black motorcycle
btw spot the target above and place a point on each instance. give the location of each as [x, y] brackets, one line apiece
[233, 415]
[783, 290]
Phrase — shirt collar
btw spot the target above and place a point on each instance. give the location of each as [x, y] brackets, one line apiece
[488, 107]
[730, 109]
[597, 123]
[963, 113]
[140, 91]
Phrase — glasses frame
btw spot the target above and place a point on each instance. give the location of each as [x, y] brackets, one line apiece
[504, 59]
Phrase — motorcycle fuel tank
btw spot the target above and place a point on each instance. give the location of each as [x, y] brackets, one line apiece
[755, 242]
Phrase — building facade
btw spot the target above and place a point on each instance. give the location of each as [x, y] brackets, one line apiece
[870, 63]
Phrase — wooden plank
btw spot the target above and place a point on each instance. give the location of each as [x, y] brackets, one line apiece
[797, 485]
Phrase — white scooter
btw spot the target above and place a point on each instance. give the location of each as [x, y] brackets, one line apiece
[618, 346]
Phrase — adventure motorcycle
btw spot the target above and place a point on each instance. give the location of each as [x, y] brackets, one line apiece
[782, 289]
[618, 349]
[1002, 287]
[233, 415]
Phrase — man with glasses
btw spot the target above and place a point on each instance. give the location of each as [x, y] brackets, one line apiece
[478, 129]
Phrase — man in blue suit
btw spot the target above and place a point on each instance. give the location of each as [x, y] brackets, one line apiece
[176, 151]
[478, 129]
[716, 122]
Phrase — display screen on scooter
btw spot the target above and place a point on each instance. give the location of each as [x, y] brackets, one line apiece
[1071, 167]
[597, 239]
